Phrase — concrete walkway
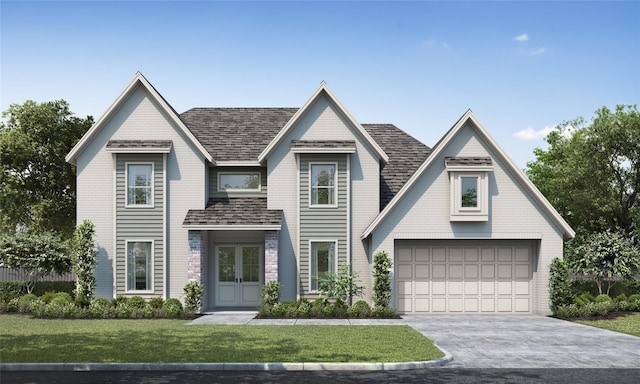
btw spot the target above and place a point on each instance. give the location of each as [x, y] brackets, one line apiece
[526, 341]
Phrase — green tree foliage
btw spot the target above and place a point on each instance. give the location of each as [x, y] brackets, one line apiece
[84, 261]
[605, 256]
[37, 185]
[35, 255]
[591, 171]
[560, 284]
[193, 291]
[342, 285]
[381, 279]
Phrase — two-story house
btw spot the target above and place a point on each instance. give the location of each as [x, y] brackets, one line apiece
[236, 197]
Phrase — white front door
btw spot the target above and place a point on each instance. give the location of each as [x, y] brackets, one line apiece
[238, 275]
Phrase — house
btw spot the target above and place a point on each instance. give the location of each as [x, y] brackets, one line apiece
[236, 197]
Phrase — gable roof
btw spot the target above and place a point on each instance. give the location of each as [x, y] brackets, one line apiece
[138, 81]
[469, 117]
[236, 134]
[323, 89]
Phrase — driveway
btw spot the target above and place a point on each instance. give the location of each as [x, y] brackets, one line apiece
[526, 341]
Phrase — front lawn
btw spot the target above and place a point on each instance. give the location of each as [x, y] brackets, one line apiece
[28, 340]
[629, 324]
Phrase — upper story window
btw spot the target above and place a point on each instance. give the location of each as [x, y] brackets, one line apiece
[239, 182]
[139, 185]
[323, 184]
[469, 188]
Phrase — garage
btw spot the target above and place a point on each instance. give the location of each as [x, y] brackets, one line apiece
[464, 276]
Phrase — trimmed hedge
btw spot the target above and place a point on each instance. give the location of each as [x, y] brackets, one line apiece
[586, 306]
[61, 305]
[322, 308]
[40, 288]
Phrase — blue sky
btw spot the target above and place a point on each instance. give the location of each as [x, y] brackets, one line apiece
[522, 67]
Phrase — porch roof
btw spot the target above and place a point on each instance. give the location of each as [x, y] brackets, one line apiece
[238, 213]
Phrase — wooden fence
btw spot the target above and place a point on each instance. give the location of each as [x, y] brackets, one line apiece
[7, 274]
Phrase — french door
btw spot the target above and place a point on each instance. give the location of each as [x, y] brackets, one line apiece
[239, 274]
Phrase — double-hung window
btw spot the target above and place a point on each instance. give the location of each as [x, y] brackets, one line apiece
[139, 265]
[323, 184]
[323, 254]
[140, 185]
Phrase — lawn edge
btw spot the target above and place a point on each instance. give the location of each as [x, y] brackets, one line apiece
[86, 367]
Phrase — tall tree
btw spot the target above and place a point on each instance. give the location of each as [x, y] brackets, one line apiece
[591, 171]
[37, 185]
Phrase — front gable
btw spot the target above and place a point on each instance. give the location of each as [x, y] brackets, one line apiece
[423, 207]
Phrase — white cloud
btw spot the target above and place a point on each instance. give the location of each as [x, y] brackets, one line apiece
[531, 134]
[523, 37]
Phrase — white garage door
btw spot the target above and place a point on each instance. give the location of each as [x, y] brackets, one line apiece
[463, 277]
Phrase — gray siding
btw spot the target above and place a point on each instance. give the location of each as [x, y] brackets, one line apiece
[140, 223]
[319, 223]
[213, 181]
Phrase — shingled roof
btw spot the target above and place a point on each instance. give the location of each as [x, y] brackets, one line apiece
[236, 134]
[405, 156]
[241, 134]
[240, 211]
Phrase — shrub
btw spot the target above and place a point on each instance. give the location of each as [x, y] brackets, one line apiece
[360, 309]
[25, 302]
[101, 308]
[193, 296]
[381, 279]
[304, 308]
[584, 299]
[136, 302]
[84, 262]
[62, 298]
[384, 312]
[339, 309]
[156, 302]
[172, 308]
[271, 293]
[342, 285]
[560, 286]
[318, 307]
[634, 297]
[604, 298]
[620, 298]
[119, 300]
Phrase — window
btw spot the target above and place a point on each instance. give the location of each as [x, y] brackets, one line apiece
[323, 184]
[469, 196]
[322, 260]
[468, 192]
[139, 261]
[249, 181]
[140, 185]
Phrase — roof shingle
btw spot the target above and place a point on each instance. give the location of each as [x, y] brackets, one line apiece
[247, 211]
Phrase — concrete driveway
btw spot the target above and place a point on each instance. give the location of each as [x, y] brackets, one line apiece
[526, 341]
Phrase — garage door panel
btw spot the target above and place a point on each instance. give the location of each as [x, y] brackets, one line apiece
[405, 271]
[464, 279]
[422, 254]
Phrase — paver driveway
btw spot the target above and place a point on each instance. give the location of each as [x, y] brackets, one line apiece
[526, 341]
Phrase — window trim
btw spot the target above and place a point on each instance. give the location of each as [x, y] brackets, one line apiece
[311, 259]
[335, 184]
[460, 213]
[151, 267]
[259, 189]
[126, 184]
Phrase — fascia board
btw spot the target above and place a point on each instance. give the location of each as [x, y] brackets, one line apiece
[138, 80]
[232, 227]
[296, 117]
[568, 232]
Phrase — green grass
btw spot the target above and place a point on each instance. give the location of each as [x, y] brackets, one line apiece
[629, 324]
[28, 340]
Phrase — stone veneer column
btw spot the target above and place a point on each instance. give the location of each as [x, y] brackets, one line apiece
[194, 258]
[271, 255]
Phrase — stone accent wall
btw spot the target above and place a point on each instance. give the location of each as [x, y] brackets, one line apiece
[194, 258]
[271, 239]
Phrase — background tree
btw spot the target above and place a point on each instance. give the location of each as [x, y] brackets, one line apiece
[37, 185]
[84, 261]
[605, 256]
[34, 255]
[591, 171]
